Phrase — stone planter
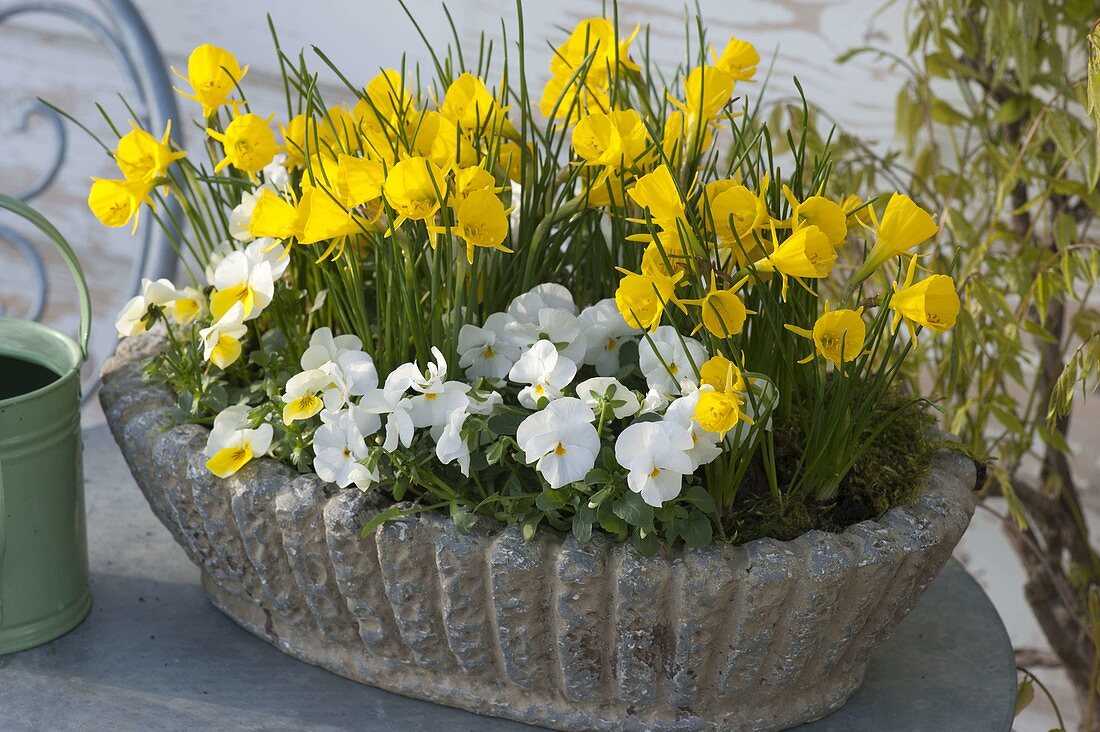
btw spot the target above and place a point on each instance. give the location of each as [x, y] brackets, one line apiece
[761, 636]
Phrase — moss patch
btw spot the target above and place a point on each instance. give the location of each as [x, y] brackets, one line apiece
[889, 473]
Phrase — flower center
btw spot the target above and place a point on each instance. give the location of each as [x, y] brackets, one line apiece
[656, 472]
[559, 450]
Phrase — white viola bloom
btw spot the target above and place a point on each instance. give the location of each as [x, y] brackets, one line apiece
[241, 216]
[437, 398]
[561, 441]
[484, 402]
[303, 396]
[705, 444]
[245, 280]
[681, 360]
[266, 249]
[218, 252]
[392, 402]
[233, 442]
[324, 347]
[487, 351]
[598, 387]
[525, 308]
[604, 332]
[656, 456]
[451, 445]
[560, 327]
[654, 402]
[221, 342]
[276, 176]
[545, 371]
[353, 374]
[339, 444]
[130, 318]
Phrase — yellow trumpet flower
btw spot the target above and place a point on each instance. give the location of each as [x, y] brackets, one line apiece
[248, 143]
[723, 312]
[838, 335]
[118, 202]
[904, 226]
[932, 302]
[641, 298]
[805, 253]
[142, 157]
[213, 73]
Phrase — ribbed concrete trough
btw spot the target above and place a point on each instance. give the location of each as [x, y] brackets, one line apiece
[550, 632]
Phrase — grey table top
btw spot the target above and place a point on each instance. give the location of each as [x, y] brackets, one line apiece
[155, 655]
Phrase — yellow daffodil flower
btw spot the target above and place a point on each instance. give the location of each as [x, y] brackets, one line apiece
[118, 202]
[470, 105]
[820, 212]
[855, 212]
[570, 101]
[723, 312]
[617, 140]
[738, 60]
[736, 212]
[248, 143]
[904, 226]
[806, 253]
[595, 36]
[721, 374]
[657, 192]
[387, 98]
[932, 302]
[481, 221]
[294, 141]
[213, 74]
[433, 136]
[276, 218]
[641, 298]
[838, 335]
[707, 89]
[415, 188]
[472, 179]
[142, 157]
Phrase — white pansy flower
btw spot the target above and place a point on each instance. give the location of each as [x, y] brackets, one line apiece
[545, 371]
[302, 397]
[392, 402]
[596, 388]
[654, 402]
[241, 215]
[233, 442]
[705, 445]
[242, 280]
[679, 363]
[218, 252]
[221, 342]
[130, 318]
[525, 308]
[324, 347]
[561, 441]
[339, 444]
[484, 403]
[266, 249]
[353, 374]
[437, 398]
[656, 456]
[451, 445]
[604, 332]
[560, 327]
[487, 350]
[183, 306]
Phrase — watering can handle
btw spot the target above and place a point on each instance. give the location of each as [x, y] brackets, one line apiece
[21, 209]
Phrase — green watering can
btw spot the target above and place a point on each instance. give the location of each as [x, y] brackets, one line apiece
[43, 541]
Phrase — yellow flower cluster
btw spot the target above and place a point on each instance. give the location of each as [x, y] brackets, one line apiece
[143, 161]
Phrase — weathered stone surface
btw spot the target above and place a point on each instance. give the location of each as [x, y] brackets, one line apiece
[762, 636]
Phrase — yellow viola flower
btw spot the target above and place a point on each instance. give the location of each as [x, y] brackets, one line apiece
[248, 143]
[721, 374]
[932, 302]
[294, 140]
[481, 221]
[657, 192]
[303, 397]
[414, 188]
[723, 312]
[118, 202]
[187, 308]
[142, 157]
[213, 74]
[471, 106]
[641, 298]
[276, 218]
[806, 253]
[738, 60]
[221, 342]
[233, 442]
[904, 226]
[838, 335]
[820, 212]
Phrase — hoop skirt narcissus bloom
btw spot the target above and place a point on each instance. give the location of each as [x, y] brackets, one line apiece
[213, 74]
[248, 142]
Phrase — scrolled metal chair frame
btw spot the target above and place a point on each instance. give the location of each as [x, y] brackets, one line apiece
[125, 34]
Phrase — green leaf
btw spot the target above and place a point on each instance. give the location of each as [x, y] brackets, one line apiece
[506, 423]
[550, 500]
[633, 510]
[646, 545]
[389, 514]
[697, 531]
[1025, 694]
[582, 530]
